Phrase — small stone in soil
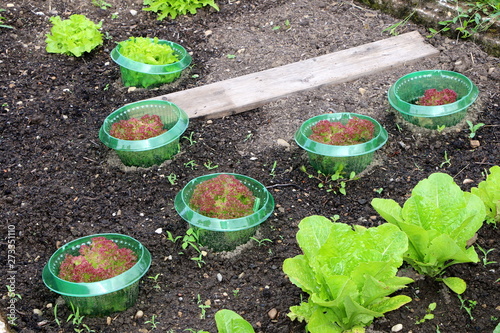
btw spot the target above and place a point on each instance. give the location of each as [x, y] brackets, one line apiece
[397, 328]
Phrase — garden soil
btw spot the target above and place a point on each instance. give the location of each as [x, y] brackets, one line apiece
[59, 182]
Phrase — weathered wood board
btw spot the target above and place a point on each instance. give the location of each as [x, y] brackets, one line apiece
[251, 91]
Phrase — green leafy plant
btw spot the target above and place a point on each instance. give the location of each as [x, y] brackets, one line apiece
[332, 183]
[203, 307]
[471, 18]
[433, 97]
[210, 166]
[440, 128]
[446, 160]
[152, 322]
[148, 51]
[348, 273]
[336, 133]
[393, 29]
[473, 128]
[73, 36]
[101, 4]
[485, 256]
[77, 320]
[11, 293]
[173, 8]
[272, 173]
[228, 321]
[439, 218]
[261, 241]
[100, 260]
[172, 178]
[489, 192]
[155, 279]
[190, 138]
[148, 126]
[468, 305]
[429, 315]
[3, 19]
[191, 164]
[223, 197]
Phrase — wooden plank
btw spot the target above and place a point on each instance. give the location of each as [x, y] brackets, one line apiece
[251, 91]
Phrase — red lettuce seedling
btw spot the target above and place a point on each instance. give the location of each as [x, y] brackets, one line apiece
[223, 197]
[433, 97]
[335, 133]
[148, 126]
[100, 260]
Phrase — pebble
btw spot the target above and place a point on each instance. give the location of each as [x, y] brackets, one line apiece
[467, 181]
[130, 89]
[272, 313]
[397, 328]
[474, 143]
[219, 277]
[208, 33]
[139, 314]
[133, 12]
[38, 312]
[108, 320]
[159, 231]
[282, 143]
[362, 91]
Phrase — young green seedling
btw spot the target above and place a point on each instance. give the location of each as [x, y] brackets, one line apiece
[429, 315]
[473, 128]
[485, 255]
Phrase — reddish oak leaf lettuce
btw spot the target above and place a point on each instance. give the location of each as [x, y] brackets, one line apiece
[348, 274]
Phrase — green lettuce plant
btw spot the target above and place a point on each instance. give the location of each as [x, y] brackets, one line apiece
[172, 8]
[348, 273]
[439, 218]
[489, 192]
[73, 36]
[148, 51]
[100, 260]
[222, 197]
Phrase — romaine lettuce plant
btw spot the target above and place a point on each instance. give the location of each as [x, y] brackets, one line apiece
[73, 36]
[348, 273]
[172, 8]
[489, 192]
[439, 218]
[100, 260]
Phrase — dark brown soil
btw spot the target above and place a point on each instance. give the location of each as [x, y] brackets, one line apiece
[59, 182]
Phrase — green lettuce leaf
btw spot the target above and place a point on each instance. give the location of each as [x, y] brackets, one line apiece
[439, 218]
[230, 322]
[348, 273]
[172, 8]
[489, 192]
